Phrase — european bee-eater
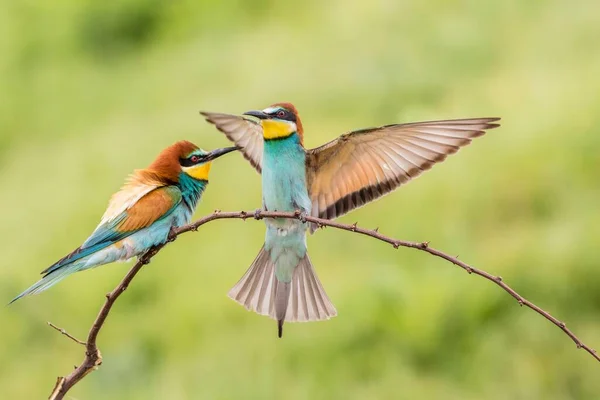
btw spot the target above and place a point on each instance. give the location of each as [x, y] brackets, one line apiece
[139, 216]
[326, 182]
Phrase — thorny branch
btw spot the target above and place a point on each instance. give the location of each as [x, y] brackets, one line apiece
[93, 358]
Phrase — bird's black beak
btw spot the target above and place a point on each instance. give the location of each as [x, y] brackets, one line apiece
[218, 153]
[257, 114]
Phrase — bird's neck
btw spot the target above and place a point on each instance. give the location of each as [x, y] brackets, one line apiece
[280, 152]
[291, 141]
[191, 190]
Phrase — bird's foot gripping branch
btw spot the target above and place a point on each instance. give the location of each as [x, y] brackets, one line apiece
[93, 357]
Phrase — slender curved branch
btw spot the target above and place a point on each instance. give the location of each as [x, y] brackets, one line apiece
[93, 358]
[67, 334]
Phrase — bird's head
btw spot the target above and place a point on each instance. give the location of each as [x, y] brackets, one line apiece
[187, 158]
[279, 120]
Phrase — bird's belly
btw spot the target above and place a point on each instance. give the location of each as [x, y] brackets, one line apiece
[284, 176]
[284, 195]
[285, 238]
[278, 198]
[182, 215]
[282, 192]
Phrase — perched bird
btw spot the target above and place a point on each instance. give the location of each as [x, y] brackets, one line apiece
[141, 215]
[326, 182]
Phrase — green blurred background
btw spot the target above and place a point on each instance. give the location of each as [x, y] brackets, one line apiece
[90, 91]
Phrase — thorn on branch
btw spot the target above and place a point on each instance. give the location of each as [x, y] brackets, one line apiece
[424, 245]
[354, 226]
[243, 215]
[217, 212]
[520, 302]
[469, 270]
[396, 245]
[562, 324]
[498, 278]
[376, 230]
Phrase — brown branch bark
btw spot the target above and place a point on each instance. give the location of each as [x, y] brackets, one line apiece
[93, 358]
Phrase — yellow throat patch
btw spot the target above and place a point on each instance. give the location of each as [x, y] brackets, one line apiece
[273, 129]
[199, 172]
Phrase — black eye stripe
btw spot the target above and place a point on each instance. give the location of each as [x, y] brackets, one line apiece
[288, 116]
[190, 161]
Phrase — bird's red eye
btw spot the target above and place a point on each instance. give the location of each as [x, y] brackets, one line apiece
[195, 159]
[281, 113]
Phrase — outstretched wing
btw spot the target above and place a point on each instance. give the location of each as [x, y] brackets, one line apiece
[244, 133]
[361, 166]
[149, 208]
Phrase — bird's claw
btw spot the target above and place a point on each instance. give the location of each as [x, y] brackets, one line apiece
[172, 234]
[257, 213]
[301, 215]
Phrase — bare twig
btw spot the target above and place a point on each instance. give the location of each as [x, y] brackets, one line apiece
[93, 357]
[67, 334]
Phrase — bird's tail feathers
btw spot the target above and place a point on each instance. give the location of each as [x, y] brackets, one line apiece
[50, 279]
[255, 290]
[301, 300]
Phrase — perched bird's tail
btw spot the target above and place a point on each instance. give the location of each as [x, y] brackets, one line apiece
[50, 279]
[301, 300]
[77, 260]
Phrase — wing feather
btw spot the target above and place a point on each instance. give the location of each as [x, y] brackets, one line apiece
[245, 133]
[150, 208]
[364, 165]
[140, 183]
